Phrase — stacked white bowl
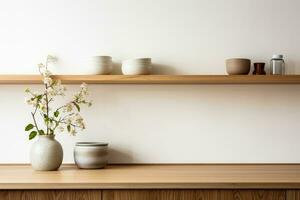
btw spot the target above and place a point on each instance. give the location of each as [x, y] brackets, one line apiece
[138, 66]
[102, 64]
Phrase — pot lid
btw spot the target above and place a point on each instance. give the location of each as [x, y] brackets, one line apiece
[91, 144]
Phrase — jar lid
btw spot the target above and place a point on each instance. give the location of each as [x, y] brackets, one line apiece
[277, 56]
[91, 144]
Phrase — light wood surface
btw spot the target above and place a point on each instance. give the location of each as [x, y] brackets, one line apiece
[194, 195]
[51, 195]
[155, 79]
[153, 177]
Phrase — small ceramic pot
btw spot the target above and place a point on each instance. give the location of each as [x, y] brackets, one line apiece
[238, 66]
[91, 155]
[46, 154]
[101, 65]
[139, 66]
[259, 69]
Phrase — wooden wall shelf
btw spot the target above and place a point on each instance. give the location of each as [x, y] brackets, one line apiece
[159, 182]
[155, 79]
[159, 176]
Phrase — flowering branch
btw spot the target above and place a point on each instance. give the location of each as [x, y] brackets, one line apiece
[66, 116]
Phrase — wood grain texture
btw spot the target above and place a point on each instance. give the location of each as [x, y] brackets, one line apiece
[165, 176]
[194, 194]
[293, 195]
[155, 79]
[50, 195]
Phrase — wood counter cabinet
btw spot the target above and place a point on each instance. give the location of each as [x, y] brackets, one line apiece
[153, 182]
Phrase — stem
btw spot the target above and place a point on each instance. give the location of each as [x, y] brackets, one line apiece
[47, 102]
[66, 105]
[75, 126]
[61, 121]
[36, 126]
[46, 64]
[35, 108]
[67, 116]
[33, 117]
[56, 125]
[47, 107]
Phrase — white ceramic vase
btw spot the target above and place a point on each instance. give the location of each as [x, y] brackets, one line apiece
[46, 154]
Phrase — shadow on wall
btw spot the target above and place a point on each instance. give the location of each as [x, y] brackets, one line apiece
[117, 156]
[117, 68]
[163, 69]
[156, 69]
[291, 67]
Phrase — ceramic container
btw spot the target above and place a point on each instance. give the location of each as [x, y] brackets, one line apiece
[46, 154]
[91, 155]
[259, 69]
[100, 65]
[238, 66]
[138, 66]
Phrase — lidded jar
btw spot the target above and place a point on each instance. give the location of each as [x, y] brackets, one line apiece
[91, 155]
[277, 65]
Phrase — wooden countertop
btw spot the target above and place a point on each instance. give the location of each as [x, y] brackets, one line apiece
[206, 176]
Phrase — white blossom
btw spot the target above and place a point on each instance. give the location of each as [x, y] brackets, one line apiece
[68, 121]
[48, 81]
[40, 66]
[32, 101]
[47, 73]
[51, 58]
[56, 89]
[83, 85]
[27, 101]
[68, 107]
[78, 120]
[43, 108]
[73, 131]
[51, 91]
[81, 96]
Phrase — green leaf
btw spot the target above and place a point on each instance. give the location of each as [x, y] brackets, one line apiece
[69, 128]
[56, 113]
[29, 127]
[46, 118]
[51, 131]
[77, 106]
[32, 135]
[41, 132]
[39, 97]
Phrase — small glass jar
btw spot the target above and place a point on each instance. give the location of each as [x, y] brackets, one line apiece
[277, 66]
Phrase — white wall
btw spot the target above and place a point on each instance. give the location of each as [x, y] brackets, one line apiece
[160, 123]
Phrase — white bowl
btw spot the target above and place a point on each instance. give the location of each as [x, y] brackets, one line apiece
[102, 59]
[101, 65]
[139, 66]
